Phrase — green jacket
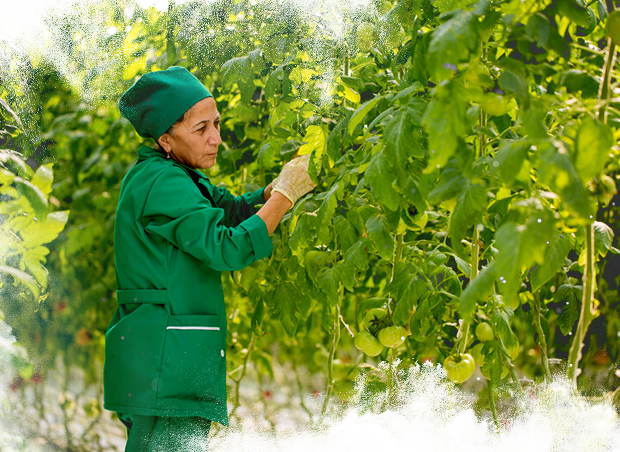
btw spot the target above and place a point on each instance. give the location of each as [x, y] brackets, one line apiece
[175, 232]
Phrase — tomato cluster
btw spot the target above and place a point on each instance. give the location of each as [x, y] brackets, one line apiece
[378, 332]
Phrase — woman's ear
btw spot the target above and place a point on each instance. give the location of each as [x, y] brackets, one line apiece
[164, 142]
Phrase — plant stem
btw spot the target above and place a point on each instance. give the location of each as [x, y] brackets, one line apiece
[330, 360]
[492, 403]
[542, 341]
[301, 394]
[243, 371]
[604, 91]
[589, 306]
[475, 251]
[398, 252]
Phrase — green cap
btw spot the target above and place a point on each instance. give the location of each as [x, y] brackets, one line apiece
[157, 99]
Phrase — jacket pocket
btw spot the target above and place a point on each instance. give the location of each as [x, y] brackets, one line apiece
[133, 357]
[193, 363]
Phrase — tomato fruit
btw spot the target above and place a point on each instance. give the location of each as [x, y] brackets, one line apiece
[392, 336]
[344, 389]
[484, 332]
[367, 343]
[373, 318]
[460, 367]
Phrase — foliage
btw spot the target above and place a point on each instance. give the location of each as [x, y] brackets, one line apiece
[460, 150]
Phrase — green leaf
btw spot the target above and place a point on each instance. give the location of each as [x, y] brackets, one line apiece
[508, 240]
[34, 195]
[422, 324]
[329, 282]
[33, 260]
[40, 232]
[603, 237]
[557, 171]
[445, 121]
[613, 27]
[357, 256]
[236, 70]
[361, 113]
[576, 11]
[257, 317]
[445, 6]
[471, 203]
[477, 290]
[11, 112]
[510, 158]
[381, 176]
[377, 227]
[325, 214]
[593, 144]
[553, 262]
[402, 136]
[576, 80]
[24, 278]
[286, 307]
[513, 80]
[452, 42]
[316, 142]
[570, 298]
[406, 289]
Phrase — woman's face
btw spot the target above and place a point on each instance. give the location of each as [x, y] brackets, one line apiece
[194, 141]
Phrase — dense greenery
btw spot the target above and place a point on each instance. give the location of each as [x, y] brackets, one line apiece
[466, 157]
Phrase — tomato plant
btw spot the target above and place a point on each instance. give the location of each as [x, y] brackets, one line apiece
[466, 159]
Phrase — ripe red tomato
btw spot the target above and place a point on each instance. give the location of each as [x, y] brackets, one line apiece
[459, 367]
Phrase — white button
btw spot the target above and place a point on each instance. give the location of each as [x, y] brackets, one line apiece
[222, 353]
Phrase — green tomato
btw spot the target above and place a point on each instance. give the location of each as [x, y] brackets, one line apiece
[460, 368]
[367, 343]
[484, 332]
[392, 336]
[374, 317]
[476, 352]
[344, 389]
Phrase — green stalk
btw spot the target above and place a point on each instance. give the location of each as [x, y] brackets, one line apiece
[330, 361]
[604, 91]
[492, 403]
[475, 251]
[542, 341]
[589, 306]
[589, 303]
[243, 371]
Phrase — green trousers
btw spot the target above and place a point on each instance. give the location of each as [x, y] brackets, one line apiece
[165, 434]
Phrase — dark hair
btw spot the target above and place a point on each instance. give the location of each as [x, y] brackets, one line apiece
[169, 131]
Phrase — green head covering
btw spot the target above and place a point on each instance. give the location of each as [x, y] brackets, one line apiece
[157, 99]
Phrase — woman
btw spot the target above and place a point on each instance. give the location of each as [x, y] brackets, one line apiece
[165, 360]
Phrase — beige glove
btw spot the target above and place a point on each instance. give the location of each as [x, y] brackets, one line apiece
[294, 180]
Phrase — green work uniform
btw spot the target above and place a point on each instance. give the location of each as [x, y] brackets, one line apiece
[175, 232]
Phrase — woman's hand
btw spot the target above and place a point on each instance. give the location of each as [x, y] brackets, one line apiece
[294, 181]
[267, 192]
